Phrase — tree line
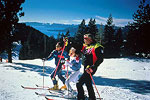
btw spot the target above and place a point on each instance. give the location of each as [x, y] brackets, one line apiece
[133, 42]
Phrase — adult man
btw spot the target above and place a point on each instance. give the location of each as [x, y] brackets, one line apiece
[93, 57]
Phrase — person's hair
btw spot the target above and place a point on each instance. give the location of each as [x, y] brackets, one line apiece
[72, 48]
[60, 44]
[78, 52]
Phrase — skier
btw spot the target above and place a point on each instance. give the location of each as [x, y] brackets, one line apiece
[75, 64]
[93, 57]
[57, 55]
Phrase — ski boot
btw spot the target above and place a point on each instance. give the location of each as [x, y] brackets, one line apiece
[54, 88]
[63, 87]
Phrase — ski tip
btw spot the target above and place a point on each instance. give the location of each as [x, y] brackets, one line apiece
[48, 98]
[50, 91]
[36, 93]
[22, 86]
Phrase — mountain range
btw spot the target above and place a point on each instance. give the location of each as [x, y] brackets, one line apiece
[55, 28]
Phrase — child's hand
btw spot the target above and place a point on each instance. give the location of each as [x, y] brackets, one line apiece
[67, 63]
[63, 66]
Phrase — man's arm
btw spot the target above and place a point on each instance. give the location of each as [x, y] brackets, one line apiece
[100, 56]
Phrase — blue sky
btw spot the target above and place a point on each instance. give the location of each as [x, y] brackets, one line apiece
[74, 11]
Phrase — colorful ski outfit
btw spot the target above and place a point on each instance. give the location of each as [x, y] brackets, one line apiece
[75, 65]
[57, 54]
[93, 57]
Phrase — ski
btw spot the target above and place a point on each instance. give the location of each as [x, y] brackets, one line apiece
[47, 98]
[50, 96]
[42, 86]
[48, 88]
[32, 88]
[57, 91]
[43, 94]
[54, 95]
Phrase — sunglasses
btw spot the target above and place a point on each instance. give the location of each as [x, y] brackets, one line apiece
[86, 37]
[57, 46]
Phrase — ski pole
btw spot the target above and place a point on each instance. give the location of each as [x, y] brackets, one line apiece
[67, 72]
[95, 85]
[43, 72]
[68, 80]
[59, 60]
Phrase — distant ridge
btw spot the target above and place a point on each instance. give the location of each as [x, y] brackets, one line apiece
[55, 28]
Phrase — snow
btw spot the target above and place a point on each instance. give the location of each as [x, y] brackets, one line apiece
[116, 79]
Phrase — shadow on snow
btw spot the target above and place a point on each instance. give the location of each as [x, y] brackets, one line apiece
[137, 86]
[141, 86]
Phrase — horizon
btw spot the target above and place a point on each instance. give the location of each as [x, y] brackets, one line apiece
[73, 12]
[79, 22]
[63, 23]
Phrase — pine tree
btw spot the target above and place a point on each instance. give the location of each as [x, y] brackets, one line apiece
[67, 34]
[131, 45]
[118, 42]
[81, 31]
[8, 19]
[58, 36]
[142, 16]
[92, 28]
[142, 23]
[139, 30]
[109, 37]
[100, 35]
[109, 30]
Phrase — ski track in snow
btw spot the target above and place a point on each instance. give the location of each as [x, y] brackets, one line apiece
[116, 79]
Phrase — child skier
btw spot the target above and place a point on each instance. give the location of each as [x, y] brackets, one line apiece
[75, 65]
[58, 71]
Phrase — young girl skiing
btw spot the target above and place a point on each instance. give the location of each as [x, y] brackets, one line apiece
[58, 71]
[75, 65]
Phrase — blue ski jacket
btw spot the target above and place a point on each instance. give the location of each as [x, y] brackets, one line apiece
[57, 55]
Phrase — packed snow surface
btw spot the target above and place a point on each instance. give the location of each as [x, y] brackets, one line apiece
[115, 79]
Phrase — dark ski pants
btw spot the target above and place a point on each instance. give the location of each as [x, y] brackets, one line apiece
[85, 79]
[59, 73]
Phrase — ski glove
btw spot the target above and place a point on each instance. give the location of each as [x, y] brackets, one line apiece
[44, 59]
[89, 69]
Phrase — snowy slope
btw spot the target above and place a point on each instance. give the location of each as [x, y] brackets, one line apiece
[116, 79]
